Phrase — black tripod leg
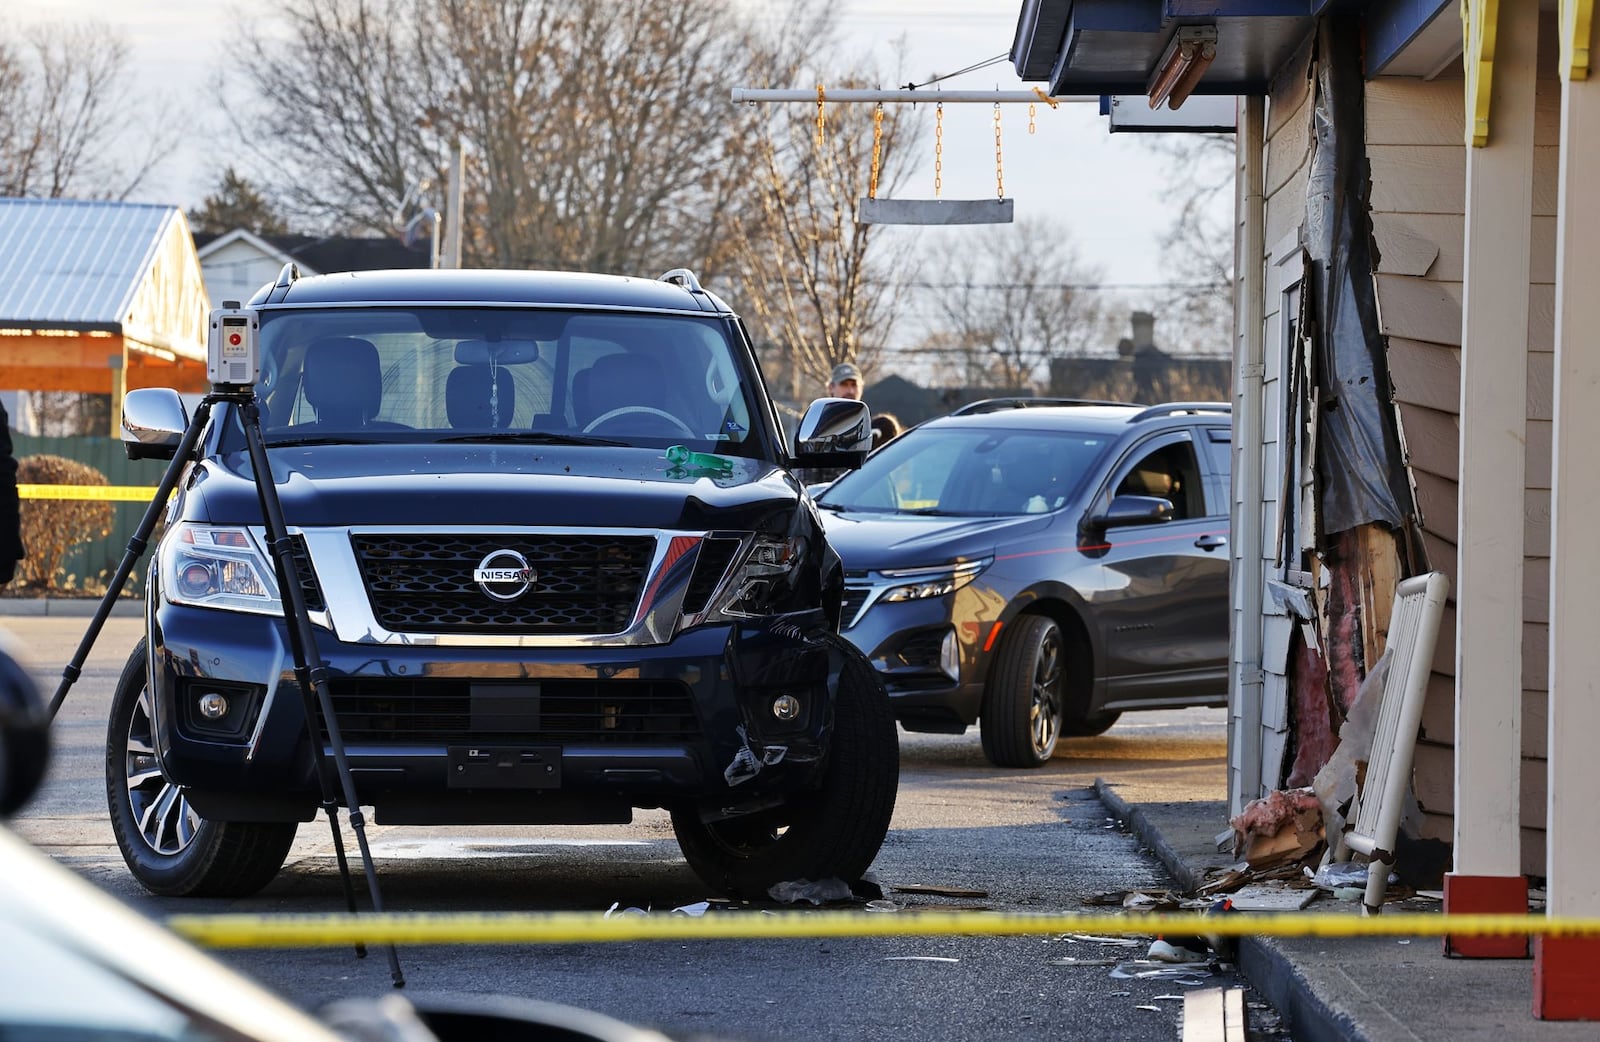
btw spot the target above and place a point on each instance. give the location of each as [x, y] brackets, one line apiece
[136, 548]
[308, 662]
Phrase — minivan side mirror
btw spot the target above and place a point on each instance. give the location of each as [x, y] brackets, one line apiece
[153, 423]
[1132, 510]
[834, 432]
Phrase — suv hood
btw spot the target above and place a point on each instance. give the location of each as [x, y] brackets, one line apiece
[867, 541]
[454, 484]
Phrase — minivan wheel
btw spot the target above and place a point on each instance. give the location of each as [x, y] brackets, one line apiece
[170, 849]
[1022, 707]
[833, 831]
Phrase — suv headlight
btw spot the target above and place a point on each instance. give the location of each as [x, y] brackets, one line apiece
[764, 577]
[931, 582]
[218, 566]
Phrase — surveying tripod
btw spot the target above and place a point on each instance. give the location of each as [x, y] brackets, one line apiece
[308, 666]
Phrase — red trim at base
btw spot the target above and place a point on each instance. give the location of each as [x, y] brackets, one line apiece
[1563, 978]
[1485, 895]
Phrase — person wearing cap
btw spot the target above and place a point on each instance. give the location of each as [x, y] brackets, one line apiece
[845, 382]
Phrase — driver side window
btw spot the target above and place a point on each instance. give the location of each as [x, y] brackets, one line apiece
[1169, 472]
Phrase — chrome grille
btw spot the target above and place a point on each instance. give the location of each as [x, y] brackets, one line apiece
[423, 583]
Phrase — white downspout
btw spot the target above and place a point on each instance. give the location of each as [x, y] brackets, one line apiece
[1245, 595]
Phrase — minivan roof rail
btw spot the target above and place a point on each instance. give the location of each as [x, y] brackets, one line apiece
[1174, 408]
[1025, 402]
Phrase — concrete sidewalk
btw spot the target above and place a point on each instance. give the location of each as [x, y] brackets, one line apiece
[1366, 989]
[76, 607]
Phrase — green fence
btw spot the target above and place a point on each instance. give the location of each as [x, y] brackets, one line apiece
[94, 562]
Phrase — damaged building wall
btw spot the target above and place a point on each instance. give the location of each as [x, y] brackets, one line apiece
[1341, 544]
[1418, 201]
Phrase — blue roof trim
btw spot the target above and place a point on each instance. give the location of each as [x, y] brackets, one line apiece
[74, 264]
[1393, 24]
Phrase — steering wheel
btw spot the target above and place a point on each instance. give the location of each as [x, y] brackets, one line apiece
[626, 409]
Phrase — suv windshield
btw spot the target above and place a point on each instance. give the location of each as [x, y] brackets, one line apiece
[482, 374]
[978, 472]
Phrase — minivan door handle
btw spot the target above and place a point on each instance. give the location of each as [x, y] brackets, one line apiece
[1211, 542]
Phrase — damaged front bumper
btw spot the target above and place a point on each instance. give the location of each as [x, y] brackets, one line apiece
[727, 716]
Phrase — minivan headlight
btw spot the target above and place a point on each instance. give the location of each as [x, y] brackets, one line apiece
[218, 566]
[931, 582]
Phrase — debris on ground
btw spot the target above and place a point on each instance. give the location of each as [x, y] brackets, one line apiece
[936, 891]
[820, 892]
[1282, 827]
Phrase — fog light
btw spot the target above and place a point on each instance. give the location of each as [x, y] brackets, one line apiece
[786, 707]
[213, 706]
[950, 656]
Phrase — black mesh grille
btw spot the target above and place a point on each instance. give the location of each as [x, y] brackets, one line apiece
[715, 555]
[424, 584]
[440, 711]
[306, 574]
[921, 651]
[854, 598]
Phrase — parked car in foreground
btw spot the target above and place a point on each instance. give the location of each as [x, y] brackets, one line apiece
[557, 566]
[1040, 569]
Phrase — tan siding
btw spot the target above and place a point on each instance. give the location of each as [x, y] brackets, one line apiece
[1436, 498]
[1433, 439]
[1434, 778]
[1420, 309]
[1439, 717]
[1425, 374]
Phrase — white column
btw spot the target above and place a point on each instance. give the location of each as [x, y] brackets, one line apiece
[1494, 367]
[1573, 844]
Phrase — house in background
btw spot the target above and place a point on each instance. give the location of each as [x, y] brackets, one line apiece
[1141, 372]
[1415, 370]
[239, 262]
[99, 297]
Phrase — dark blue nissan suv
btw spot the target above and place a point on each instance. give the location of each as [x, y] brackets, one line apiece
[557, 566]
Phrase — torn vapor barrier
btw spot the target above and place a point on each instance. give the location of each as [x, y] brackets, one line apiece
[1350, 542]
[1360, 465]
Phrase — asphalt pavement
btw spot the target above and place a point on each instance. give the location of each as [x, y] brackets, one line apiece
[1352, 989]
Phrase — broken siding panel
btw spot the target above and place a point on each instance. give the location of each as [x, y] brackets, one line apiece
[1418, 179]
[1420, 309]
[1447, 232]
[1437, 500]
[1433, 439]
[1426, 374]
[1441, 554]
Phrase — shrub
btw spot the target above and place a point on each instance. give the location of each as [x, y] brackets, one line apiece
[52, 527]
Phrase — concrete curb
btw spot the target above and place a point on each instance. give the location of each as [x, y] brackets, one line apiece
[71, 607]
[1263, 961]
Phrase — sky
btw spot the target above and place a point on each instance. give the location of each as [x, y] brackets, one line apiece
[1108, 191]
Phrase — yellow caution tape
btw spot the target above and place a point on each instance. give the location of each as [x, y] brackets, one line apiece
[311, 931]
[119, 493]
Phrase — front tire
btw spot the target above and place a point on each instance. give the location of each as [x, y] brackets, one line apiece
[170, 849]
[833, 831]
[1022, 708]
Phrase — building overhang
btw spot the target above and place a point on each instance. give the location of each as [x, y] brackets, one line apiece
[1115, 47]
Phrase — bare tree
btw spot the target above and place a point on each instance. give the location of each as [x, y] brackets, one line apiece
[598, 133]
[66, 117]
[1012, 298]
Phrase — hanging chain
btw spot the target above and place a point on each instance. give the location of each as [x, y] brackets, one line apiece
[999, 169]
[877, 150]
[938, 150]
[1032, 111]
[822, 120]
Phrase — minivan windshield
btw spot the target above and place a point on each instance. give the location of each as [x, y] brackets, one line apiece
[969, 472]
[542, 376]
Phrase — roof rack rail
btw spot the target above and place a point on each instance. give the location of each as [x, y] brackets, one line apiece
[1174, 408]
[1024, 402]
[682, 277]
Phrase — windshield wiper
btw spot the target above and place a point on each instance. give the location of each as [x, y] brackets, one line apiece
[321, 439]
[533, 438]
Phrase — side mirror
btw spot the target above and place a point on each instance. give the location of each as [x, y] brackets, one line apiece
[1132, 510]
[153, 422]
[834, 432]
